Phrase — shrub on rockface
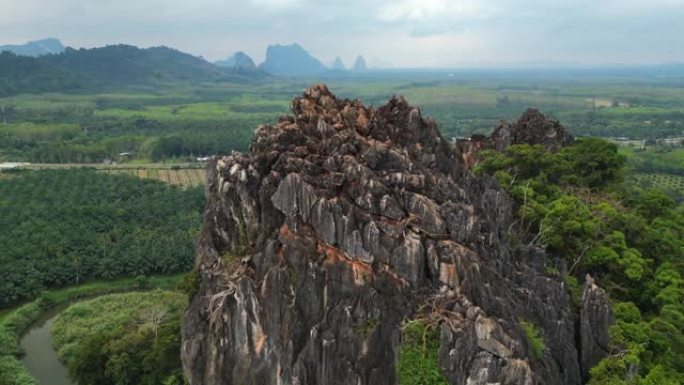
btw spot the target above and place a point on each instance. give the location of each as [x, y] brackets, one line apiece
[418, 361]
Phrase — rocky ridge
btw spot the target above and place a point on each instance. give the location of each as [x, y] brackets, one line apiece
[344, 221]
[533, 127]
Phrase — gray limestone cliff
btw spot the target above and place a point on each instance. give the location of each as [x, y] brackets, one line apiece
[341, 223]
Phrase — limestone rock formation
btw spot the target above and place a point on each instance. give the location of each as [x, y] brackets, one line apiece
[338, 64]
[291, 60]
[50, 46]
[360, 64]
[344, 221]
[532, 128]
[595, 318]
[238, 61]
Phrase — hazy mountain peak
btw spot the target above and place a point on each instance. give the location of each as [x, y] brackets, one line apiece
[360, 64]
[338, 64]
[239, 60]
[291, 60]
[36, 48]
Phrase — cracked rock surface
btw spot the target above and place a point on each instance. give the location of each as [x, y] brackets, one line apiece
[342, 222]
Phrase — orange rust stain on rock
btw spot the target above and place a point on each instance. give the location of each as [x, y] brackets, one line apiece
[447, 274]
[260, 343]
[335, 255]
[285, 232]
[393, 276]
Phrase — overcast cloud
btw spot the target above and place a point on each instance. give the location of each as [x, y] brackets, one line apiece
[397, 33]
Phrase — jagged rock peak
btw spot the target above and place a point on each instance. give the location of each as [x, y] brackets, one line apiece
[344, 221]
[533, 127]
[325, 125]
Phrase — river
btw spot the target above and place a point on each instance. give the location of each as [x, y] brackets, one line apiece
[41, 359]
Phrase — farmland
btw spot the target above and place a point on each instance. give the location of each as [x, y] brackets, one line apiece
[177, 177]
[668, 182]
[64, 226]
[177, 124]
[184, 175]
[146, 131]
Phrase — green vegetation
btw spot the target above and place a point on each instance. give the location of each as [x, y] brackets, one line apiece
[657, 166]
[631, 239]
[62, 227]
[131, 338]
[190, 283]
[418, 356]
[533, 338]
[15, 322]
[102, 68]
[656, 159]
[13, 372]
[156, 120]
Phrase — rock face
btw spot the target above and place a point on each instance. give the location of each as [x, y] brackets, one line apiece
[341, 223]
[595, 318]
[532, 128]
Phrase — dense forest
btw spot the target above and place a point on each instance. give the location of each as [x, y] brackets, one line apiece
[114, 66]
[131, 338]
[573, 202]
[62, 227]
[105, 140]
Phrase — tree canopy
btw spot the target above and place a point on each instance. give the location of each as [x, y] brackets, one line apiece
[574, 203]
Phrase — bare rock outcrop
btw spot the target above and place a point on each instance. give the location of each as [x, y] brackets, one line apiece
[341, 223]
[533, 127]
[596, 316]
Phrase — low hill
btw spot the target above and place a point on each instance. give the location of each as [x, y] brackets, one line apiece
[107, 67]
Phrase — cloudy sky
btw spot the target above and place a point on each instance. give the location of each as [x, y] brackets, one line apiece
[389, 33]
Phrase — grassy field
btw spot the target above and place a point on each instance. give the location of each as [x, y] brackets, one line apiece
[182, 174]
[182, 177]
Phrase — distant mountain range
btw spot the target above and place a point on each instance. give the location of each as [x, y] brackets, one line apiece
[66, 69]
[294, 61]
[109, 67]
[36, 48]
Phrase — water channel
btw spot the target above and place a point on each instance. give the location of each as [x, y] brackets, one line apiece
[41, 359]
